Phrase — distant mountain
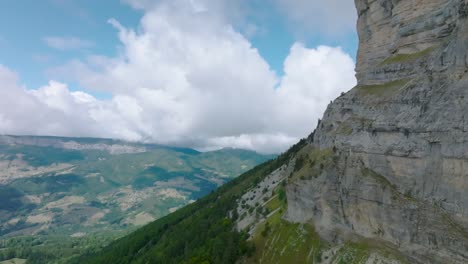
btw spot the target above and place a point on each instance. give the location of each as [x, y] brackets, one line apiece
[87, 188]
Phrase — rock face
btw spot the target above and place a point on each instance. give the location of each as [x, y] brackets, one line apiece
[399, 172]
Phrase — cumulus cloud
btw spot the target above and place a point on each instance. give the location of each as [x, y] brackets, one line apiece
[313, 77]
[67, 43]
[40, 111]
[55, 110]
[332, 17]
[187, 78]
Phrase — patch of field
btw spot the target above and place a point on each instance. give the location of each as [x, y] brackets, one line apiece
[66, 171]
[35, 199]
[11, 170]
[40, 218]
[66, 202]
[173, 209]
[178, 182]
[97, 217]
[92, 175]
[14, 261]
[14, 221]
[79, 234]
[127, 197]
[171, 193]
[140, 219]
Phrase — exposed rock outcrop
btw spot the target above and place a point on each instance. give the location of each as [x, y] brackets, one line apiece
[399, 169]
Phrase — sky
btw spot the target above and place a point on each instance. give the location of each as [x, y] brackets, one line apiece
[205, 74]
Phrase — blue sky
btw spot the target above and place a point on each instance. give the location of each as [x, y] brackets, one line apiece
[23, 49]
[206, 74]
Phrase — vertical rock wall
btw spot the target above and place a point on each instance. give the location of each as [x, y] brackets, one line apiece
[400, 168]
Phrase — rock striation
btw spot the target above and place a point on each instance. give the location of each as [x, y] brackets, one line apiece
[398, 174]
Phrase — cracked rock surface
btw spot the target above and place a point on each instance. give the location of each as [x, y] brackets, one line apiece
[399, 172]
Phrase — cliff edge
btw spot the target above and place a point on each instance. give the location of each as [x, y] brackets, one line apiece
[398, 169]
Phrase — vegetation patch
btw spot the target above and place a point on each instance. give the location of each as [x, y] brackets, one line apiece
[454, 226]
[357, 252]
[378, 177]
[57, 249]
[278, 201]
[388, 88]
[385, 183]
[10, 199]
[312, 162]
[409, 57]
[352, 253]
[278, 241]
[344, 130]
[14, 261]
[273, 204]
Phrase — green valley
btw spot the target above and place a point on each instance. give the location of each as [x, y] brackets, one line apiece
[64, 196]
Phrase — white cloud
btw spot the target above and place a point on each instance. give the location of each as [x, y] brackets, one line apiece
[313, 77]
[332, 17]
[186, 78]
[68, 43]
[23, 112]
[55, 110]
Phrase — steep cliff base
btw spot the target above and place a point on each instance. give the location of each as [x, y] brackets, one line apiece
[346, 201]
[339, 210]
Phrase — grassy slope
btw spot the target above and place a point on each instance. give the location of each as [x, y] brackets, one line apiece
[278, 241]
[197, 233]
[13, 261]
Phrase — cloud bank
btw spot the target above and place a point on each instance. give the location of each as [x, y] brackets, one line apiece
[185, 77]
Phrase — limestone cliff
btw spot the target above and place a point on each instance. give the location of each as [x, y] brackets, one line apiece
[397, 172]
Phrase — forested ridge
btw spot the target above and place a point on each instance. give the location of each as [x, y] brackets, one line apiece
[202, 232]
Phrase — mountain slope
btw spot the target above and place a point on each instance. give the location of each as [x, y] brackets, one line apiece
[66, 191]
[381, 180]
[203, 232]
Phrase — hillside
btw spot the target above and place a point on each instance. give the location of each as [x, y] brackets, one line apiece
[79, 193]
[203, 232]
[381, 180]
